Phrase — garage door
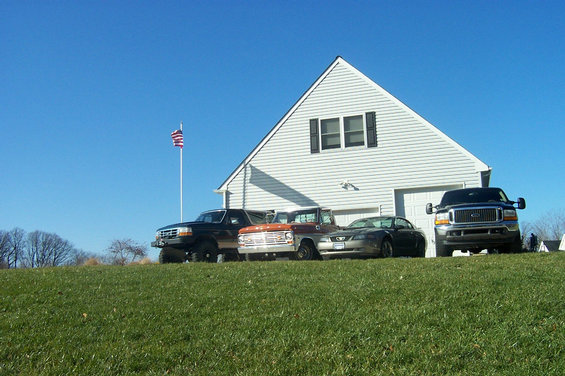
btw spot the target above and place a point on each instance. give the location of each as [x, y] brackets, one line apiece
[345, 217]
[411, 204]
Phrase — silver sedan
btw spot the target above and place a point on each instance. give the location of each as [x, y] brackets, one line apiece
[374, 237]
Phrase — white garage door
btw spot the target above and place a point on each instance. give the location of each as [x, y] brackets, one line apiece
[345, 217]
[411, 204]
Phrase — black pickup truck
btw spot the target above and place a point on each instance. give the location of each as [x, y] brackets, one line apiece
[474, 219]
[213, 233]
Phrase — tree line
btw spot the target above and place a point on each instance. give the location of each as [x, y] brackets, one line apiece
[19, 249]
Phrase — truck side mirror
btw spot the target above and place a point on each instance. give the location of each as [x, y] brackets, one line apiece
[429, 208]
[521, 203]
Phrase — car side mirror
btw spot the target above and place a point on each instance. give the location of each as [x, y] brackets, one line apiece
[429, 208]
[521, 203]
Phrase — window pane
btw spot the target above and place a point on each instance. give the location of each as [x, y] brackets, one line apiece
[330, 126]
[331, 141]
[353, 129]
[331, 137]
[353, 123]
[354, 139]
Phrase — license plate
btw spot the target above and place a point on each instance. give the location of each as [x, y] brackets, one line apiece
[339, 245]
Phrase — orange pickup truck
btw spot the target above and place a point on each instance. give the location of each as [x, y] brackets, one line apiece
[294, 233]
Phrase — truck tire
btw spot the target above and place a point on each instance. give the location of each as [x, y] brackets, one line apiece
[171, 255]
[205, 252]
[514, 247]
[253, 257]
[443, 251]
[305, 252]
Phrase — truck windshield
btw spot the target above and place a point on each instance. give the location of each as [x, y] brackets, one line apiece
[216, 216]
[473, 196]
[299, 216]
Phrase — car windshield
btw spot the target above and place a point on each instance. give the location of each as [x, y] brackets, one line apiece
[376, 222]
[473, 196]
[216, 216]
[299, 216]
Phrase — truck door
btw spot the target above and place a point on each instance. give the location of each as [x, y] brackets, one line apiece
[234, 222]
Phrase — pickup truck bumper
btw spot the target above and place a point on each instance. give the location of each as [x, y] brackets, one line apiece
[478, 237]
[279, 249]
[180, 243]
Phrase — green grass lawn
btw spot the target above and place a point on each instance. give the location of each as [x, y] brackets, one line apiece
[485, 315]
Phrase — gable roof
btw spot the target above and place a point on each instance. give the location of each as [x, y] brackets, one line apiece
[479, 165]
[551, 245]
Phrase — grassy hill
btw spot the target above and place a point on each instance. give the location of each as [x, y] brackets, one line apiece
[489, 315]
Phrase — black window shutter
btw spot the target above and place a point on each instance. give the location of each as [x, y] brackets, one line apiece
[371, 122]
[314, 140]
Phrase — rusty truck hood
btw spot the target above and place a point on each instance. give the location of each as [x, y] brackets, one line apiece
[298, 228]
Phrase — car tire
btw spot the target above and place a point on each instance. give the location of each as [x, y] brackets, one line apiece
[421, 250]
[171, 256]
[205, 252]
[386, 249]
[305, 252]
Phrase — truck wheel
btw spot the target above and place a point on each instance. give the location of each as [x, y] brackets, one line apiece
[205, 252]
[253, 257]
[386, 249]
[305, 252]
[515, 247]
[171, 255]
[443, 251]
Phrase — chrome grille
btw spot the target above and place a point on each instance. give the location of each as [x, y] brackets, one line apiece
[265, 238]
[476, 215]
[167, 234]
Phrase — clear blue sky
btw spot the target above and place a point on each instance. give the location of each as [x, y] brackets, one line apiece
[90, 92]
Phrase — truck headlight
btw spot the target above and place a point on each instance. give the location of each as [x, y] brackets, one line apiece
[184, 231]
[157, 235]
[442, 218]
[289, 235]
[241, 240]
[510, 215]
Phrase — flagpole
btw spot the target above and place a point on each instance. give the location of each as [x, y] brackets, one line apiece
[181, 176]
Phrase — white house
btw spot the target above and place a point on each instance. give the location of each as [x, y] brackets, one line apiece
[549, 246]
[349, 145]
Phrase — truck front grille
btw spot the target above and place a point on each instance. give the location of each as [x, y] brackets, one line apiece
[265, 238]
[168, 234]
[477, 215]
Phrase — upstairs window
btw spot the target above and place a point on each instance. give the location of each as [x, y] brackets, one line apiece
[353, 131]
[343, 132]
[331, 134]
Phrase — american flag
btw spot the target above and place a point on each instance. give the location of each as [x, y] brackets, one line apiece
[177, 138]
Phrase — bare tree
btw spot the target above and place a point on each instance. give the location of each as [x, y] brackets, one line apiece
[79, 257]
[551, 226]
[47, 249]
[15, 247]
[125, 251]
[4, 249]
